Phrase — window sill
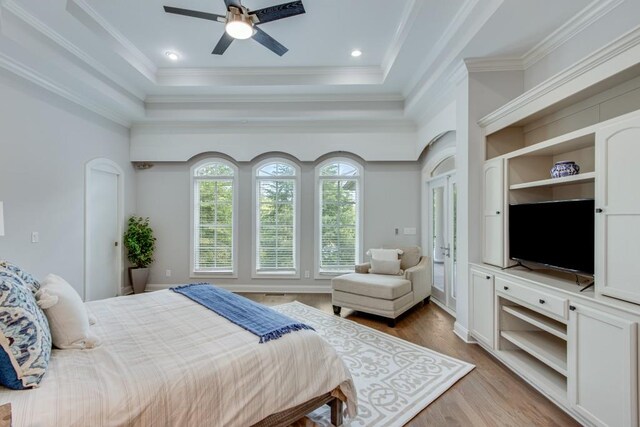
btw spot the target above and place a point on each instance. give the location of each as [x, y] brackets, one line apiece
[213, 275]
[275, 275]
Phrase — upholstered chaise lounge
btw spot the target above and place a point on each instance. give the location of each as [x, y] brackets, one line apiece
[381, 294]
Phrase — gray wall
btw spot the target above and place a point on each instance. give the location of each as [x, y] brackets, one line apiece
[391, 201]
[45, 143]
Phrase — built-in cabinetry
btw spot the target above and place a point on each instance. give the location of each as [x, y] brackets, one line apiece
[481, 294]
[493, 216]
[618, 202]
[579, 351]
[578, 348]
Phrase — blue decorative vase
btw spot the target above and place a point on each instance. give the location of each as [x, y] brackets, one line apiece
[566, 168]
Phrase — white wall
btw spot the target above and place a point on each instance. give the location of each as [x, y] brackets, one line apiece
[45, 143]
[308, 142]
[391, 200]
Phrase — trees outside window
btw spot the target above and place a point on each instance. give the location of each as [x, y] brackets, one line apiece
[276, 213]
[340, 218]
[213, 218]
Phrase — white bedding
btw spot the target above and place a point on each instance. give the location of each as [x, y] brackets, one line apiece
[167, 361]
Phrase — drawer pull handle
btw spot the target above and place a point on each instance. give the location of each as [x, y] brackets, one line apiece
[542, 301]
[488, 277]
[572, 307]
[506, 288]
[497, 212]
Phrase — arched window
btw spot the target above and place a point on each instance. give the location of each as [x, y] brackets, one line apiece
[214, 213]
[276, 218]
[339, 216]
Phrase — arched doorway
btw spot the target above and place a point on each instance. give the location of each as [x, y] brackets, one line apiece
[440, 221]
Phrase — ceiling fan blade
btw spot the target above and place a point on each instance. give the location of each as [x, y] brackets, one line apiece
[194, 14]
[223, 44]
[280, 11]
[235, 3]
[269, 42]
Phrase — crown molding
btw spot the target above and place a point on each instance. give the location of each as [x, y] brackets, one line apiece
[480, 65]
[91, 19]
[318, 98]
[287, 76]
[28, 73]
[467, 22]
[587, 16]
[121, 85]
[408, 19]
[500, 117]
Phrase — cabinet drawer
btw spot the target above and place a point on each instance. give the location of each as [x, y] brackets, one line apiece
[538, 300]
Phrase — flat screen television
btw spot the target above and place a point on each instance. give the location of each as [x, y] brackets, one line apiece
[558, 234]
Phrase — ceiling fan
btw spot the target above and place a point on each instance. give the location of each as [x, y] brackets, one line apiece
[241, 23]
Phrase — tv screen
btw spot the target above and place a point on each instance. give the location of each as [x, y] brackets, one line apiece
[558, 234]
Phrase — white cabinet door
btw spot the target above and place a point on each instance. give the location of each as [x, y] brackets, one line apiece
[493, 215]
[602, 362]
[618, 207]
[482, 306]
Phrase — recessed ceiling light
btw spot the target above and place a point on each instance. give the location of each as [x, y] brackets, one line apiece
[356, 53]
[174, 56]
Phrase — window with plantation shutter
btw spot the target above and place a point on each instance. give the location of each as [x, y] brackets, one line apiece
[339, 217]
[276, 210]
[213, 215]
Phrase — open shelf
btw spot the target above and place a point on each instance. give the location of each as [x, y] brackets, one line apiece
[534, 370]
[572, 141]
[547, 348]
[538, 320]
[556, 182]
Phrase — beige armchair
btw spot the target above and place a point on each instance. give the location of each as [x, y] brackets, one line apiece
[385, 295]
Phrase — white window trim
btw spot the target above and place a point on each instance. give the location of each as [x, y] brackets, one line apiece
[213, 275]
[320, 275]
[255, 274]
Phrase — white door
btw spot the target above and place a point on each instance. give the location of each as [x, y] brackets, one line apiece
[618, 210]
[442, 208]
[102, 230]
[602, 362]
[493, 218]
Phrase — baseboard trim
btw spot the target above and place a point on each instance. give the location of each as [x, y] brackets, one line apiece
[463, 333]
[281, 288]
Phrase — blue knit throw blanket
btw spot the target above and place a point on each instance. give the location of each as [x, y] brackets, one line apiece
[258, 319]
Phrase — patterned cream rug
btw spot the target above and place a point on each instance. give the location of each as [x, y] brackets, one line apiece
[395, 379]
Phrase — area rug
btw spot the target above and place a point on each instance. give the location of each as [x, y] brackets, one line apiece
[394, 379]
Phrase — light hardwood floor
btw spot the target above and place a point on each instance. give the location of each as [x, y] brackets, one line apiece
[491, 395]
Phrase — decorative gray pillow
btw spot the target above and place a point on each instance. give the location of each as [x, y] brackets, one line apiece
[410, 257]
[385, 267]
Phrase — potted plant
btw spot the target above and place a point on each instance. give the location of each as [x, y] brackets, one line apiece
[140, 244]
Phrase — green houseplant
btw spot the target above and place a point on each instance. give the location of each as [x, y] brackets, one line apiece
[140, 244]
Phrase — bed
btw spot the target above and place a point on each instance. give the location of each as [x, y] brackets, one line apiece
[165, 360]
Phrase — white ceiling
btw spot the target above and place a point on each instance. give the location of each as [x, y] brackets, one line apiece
[111, 54]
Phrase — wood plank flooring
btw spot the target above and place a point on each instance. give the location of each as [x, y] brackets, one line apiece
[491, 395]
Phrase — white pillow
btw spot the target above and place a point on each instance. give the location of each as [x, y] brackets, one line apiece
[384, 254]
[66, 313]
[385, 267]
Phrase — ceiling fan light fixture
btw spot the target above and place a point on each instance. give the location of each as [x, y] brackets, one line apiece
[239, 26]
